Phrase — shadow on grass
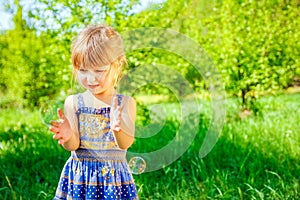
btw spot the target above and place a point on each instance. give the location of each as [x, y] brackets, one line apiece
[232, 170]
[31, 163]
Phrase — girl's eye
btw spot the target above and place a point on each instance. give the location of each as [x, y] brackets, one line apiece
[82, 70]
[100, 71]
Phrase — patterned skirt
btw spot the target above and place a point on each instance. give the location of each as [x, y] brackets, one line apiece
[96, 174]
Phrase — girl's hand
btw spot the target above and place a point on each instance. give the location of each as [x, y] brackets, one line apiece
[115, 114]
[122, 120]
[61, 128]
[122, 115]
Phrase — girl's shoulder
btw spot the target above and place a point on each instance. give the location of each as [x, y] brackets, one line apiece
[128, 100]
[126, 97]
[73, 98]
[72, 101]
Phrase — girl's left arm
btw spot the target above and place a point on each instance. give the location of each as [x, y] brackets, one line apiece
[123, 122]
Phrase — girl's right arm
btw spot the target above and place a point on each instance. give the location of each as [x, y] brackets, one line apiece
[66, 131]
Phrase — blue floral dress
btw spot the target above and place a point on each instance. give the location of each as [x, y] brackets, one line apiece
[98, 168]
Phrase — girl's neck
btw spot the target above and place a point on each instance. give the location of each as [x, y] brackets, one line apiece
[106, 96]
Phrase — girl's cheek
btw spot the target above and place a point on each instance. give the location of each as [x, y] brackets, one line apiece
[80, 77]
[101, 78]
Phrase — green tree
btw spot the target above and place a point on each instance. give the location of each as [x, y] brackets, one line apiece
[31, 69]
[258, 51]
[36, 53]
[253, 43]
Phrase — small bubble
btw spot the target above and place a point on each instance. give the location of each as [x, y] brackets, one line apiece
[137, 165]
[48, 111]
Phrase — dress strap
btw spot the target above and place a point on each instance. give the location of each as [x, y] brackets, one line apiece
[80, 101]
[119, 99]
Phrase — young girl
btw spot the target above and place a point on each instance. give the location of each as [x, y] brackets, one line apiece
[98, 124]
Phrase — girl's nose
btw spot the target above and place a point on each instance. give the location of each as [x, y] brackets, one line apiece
[91, 78]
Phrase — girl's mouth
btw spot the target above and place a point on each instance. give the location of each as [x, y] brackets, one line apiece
[93, 86]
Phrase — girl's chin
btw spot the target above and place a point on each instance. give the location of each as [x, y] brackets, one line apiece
[103, 91]
[95, 91]
[99, 90]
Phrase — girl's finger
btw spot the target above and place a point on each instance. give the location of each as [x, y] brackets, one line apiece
[57, 136]
[54, 123]
[60, 114]
[114, 101]
[54, 129]
[61, 141]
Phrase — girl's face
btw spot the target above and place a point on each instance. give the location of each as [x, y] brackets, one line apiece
[95, 80]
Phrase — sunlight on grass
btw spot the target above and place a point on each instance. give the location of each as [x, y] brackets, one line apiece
[256, 157]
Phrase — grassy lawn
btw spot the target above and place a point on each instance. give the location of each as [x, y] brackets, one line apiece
[256, 157]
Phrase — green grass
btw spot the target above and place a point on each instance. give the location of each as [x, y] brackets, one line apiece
[257, 157]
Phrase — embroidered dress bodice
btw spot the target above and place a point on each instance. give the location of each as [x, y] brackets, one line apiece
[98, 168]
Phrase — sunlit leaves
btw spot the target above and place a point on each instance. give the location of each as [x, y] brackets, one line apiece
[254, 44]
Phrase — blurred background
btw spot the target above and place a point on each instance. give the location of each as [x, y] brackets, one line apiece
[254, 45]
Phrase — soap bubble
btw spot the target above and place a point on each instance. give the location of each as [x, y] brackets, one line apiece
[137, 165]
[48, 111]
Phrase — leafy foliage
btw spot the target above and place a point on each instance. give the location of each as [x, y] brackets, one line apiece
[258, 50]
[34, 69]
[254, 44]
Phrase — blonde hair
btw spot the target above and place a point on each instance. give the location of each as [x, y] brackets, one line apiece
[98, 46]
